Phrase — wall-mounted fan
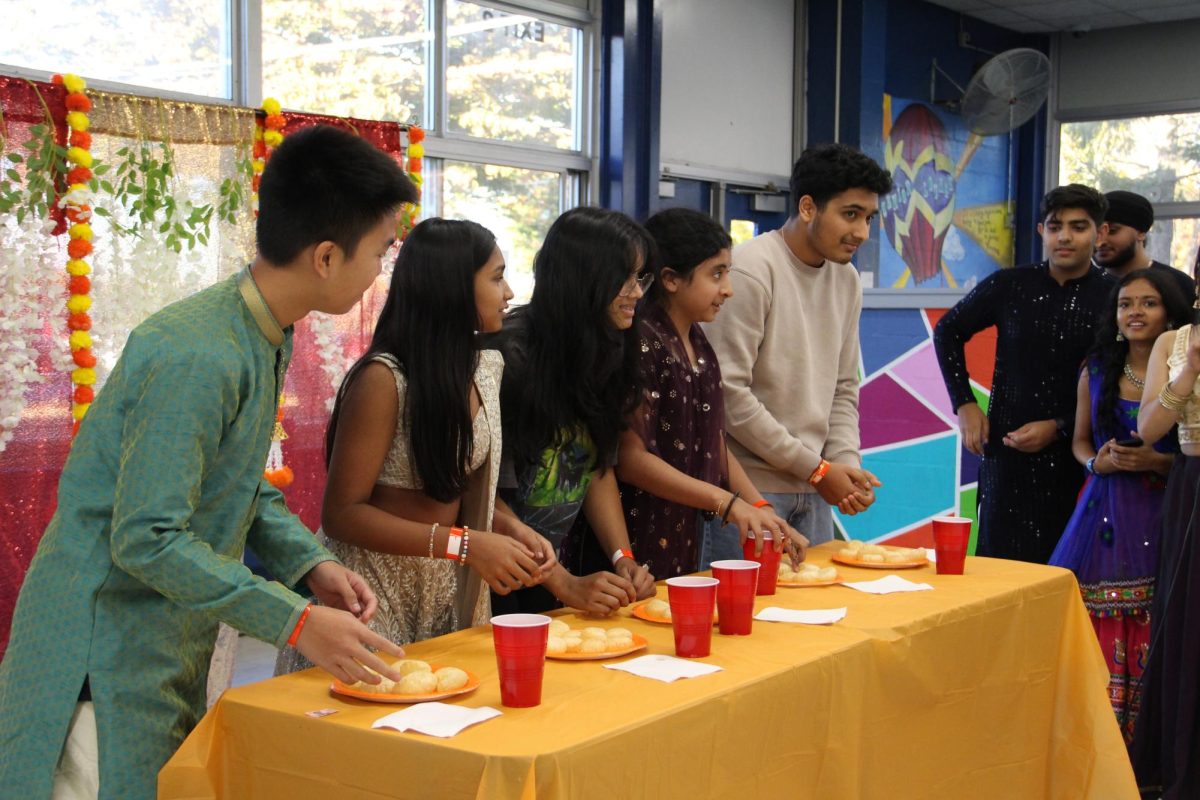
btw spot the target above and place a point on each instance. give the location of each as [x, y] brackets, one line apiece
[1006, 91]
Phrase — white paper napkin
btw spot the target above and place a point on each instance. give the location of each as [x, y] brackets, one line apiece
[664, 668]
[821, 616]
[436, 719]
[887, 585]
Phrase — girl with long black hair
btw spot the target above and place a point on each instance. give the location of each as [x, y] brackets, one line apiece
[1111, 540]
[1166, 745]
[570, 379]
[674, 466]
[413, 446]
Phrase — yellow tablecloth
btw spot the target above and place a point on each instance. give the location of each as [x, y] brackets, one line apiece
[990, 686]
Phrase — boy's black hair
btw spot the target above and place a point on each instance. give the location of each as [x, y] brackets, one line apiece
[324, 184]
[1075, 195]
[685, 238]
[824, 171]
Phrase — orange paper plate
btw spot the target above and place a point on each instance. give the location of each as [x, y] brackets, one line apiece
[337, 687]
[850, 562]
[640, 612]
[639, 643]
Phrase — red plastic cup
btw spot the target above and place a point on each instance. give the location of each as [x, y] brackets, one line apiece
[950, 538]
[769, 560]
[692, 600]
[735, 595]
[520, 641]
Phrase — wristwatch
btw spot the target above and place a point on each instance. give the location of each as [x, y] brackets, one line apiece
[1091, 465]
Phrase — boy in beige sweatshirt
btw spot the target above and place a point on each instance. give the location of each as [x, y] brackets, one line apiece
[787, 343]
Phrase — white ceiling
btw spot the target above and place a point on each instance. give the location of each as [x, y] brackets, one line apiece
[1050, 16]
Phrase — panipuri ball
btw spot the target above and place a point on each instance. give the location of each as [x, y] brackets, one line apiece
[419, 682]
[450, 678]
[406, 666]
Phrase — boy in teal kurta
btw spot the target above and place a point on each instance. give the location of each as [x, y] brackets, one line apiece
[163, 489]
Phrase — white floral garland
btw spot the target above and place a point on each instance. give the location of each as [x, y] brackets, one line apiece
[29, 272]
[334, 362]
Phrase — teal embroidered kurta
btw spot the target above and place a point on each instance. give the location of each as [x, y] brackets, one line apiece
[161, 492]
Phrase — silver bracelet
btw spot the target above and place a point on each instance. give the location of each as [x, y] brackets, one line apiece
[432, 532]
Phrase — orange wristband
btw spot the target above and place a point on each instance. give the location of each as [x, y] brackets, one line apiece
[454, 544]
[762, 504]
[819, 473]
[623, 552]
[295, 637]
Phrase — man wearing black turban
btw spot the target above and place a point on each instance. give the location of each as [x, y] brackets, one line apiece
[1123, 248]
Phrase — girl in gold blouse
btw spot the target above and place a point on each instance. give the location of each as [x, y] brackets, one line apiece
[413, 446]
[1166, 746]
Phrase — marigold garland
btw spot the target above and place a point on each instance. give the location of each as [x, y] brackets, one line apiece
[268, 134]
[414, 151]
[277, 473]
[79, 214]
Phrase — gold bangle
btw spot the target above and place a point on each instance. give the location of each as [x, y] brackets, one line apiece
[1171, 401]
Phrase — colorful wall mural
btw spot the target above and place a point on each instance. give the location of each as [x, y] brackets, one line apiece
[909, 430]
[948, 221]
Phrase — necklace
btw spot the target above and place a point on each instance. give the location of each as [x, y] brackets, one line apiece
[1134, 379]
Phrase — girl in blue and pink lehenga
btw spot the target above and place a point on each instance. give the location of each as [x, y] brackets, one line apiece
[1111, 541]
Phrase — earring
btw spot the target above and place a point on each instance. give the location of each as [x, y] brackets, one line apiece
[1170, 326]
[1120, 336]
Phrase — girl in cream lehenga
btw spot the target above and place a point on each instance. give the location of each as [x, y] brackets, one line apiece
[413, 447]
[1166, 744]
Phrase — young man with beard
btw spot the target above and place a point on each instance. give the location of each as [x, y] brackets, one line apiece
[1122, 247]
[787, 343]
[1046, 316]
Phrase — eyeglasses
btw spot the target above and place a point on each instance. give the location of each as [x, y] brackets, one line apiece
[641, 281]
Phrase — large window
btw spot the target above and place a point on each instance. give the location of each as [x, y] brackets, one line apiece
[503, 91]
[1156, 156]
[504, 113]
[355, 58]
[511, 77]
[173, 46]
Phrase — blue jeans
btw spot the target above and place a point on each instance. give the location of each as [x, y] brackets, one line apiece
[804, 511]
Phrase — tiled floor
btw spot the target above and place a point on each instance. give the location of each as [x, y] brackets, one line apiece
[255, 661]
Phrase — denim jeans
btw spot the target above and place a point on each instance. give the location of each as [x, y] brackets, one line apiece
[804, 511]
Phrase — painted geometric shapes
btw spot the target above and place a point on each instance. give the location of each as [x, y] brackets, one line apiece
[888, 415]
[920, 373]
[918, 483]
[885, 334]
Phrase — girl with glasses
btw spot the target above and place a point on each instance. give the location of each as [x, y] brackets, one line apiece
[570, 378]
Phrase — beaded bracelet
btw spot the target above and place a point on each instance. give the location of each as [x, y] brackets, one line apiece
[466, 544]
[432, 533]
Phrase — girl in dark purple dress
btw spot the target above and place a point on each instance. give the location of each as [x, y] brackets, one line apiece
[673, 466]
[1111, 541]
